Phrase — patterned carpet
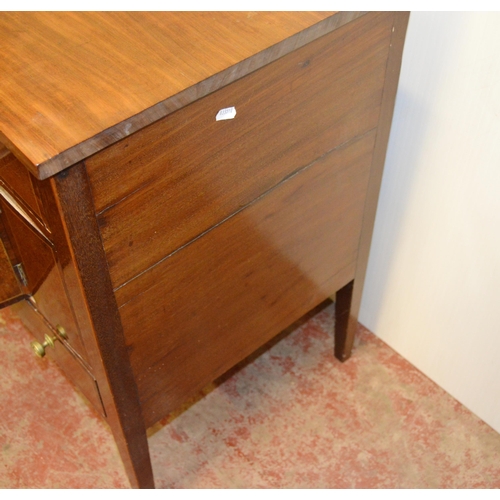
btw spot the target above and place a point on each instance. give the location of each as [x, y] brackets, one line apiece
[292, 416]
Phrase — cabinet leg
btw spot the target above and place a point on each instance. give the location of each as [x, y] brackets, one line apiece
[83, 258]
[134, 451]
[345, 322]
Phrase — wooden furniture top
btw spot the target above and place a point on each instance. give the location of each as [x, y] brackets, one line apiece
[74, 83]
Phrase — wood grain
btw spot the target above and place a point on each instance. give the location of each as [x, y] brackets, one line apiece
[44, 283]
[170, 182]
[22, 185]
[343, 300]
[110, 360]
[74, 83]
[32, 250]
[74, 370]
[187, 245]
[400, 23]
[212, 303]
[3, 151]
[9, 287]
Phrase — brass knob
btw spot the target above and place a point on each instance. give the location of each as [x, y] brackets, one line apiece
[39, 349]
[61, 331]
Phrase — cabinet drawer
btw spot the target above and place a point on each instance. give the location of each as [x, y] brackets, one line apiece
[42, 279]
[10, 289]
[72, 367]
[162, 187]
[15, 178]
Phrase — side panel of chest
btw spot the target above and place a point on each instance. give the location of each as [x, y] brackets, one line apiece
[150, 268]
[220, 234]
[166, 185]
[211, 304]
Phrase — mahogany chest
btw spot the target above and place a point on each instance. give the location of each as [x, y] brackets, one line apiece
[178, 188]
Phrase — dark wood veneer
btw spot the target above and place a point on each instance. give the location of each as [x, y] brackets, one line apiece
[77, 372]
[385, 120]
[241, 283]
[170, 59]
[168, 245]
[9, 286]
[313, 100]
[118, 386]
[22, 185]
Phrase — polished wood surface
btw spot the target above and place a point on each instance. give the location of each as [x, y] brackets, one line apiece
[76, 371]
[74, 83]
[44, 282]
[313, 99]
[244, 281]
[9, 286]
[33, 251]
[110, 358]
[173, 245]
[22, 185]
[400, 25]
[343, 301]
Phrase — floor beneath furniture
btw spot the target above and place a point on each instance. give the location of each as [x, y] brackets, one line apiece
[293, 417]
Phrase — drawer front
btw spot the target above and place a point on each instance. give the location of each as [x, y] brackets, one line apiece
[164, 186]
[10, 289]
[42, 279]
[20, 184]
[214, 302]
[76, 372]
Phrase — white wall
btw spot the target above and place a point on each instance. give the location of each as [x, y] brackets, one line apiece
[433, 284]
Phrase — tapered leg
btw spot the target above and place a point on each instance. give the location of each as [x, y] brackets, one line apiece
[79, 246]
[348, 298]
[345, 323]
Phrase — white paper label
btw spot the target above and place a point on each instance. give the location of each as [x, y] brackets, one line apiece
[226, 114]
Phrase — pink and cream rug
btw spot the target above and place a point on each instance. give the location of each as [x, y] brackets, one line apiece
[290, 417]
